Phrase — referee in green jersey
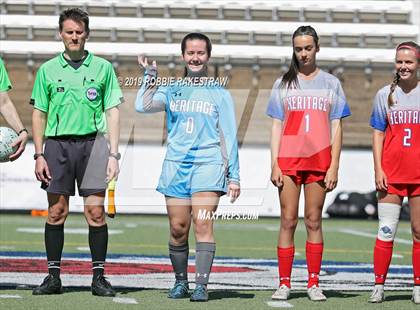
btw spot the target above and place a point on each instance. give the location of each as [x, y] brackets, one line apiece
[8, 110]
[75, 97]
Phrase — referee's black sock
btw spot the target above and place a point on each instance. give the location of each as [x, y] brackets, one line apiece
[98, 243]
[54, 241]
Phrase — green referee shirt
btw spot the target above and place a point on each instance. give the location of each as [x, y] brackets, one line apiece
[75, 100]
[5, 84]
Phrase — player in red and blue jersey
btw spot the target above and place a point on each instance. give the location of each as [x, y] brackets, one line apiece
[307, 105]
[396, 148]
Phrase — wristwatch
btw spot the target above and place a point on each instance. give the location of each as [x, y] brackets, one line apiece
[117, 156]
[36, 155]
[23, 130]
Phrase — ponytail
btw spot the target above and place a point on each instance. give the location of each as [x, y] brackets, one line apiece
[392, 89]
[289, 79]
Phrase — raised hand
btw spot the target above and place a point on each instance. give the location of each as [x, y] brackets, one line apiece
[143, 62]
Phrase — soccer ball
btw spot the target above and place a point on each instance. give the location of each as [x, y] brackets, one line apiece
[7, 137]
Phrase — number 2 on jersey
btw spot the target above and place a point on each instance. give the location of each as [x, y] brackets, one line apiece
[407, 137]
[190, 125]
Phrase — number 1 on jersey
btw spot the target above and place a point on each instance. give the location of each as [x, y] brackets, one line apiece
[407, 137]
[190, 125]
[306, 122]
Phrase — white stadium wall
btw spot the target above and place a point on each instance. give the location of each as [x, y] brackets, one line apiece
[354, 34]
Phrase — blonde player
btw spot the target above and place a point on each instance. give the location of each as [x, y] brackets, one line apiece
[396, 148]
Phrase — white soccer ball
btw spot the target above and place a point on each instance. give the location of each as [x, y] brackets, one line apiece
[7, 137]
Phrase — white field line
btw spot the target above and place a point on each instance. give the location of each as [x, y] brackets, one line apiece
[364, 234]
[4, 296]
[78, 231]
[279, 304]
[83, 248]
[122, 300]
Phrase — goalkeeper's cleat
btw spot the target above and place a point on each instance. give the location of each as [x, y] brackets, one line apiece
[200, 293]
[180, 290]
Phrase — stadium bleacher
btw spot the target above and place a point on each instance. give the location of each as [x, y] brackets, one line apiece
[301, 11]
[251, 45]
[120, 29]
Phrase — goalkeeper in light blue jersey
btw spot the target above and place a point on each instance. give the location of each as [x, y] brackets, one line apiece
[201, 162]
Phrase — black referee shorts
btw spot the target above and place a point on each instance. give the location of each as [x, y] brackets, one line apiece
[83, 159]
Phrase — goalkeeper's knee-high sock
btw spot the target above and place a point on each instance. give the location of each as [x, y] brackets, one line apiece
[179, 259]
[204, 255]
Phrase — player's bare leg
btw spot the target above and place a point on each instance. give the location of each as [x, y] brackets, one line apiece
[207, 202]
[179, 214]
[289, 204]
[414, 203]
[58, 209]
[98, 242]
[203, 203]
[314, 202]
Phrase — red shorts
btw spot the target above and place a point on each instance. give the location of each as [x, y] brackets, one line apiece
[405, 190]
[304, 177]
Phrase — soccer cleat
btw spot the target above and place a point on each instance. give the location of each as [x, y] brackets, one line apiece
[101, 287]
[282, 293]
[416, 294]
[377, 295]
[200, 293]
[50, 285]
[180, 290]
[315, 294]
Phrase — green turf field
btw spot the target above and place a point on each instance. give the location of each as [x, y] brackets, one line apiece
[253, 239]
[245, 239]
[243, 300]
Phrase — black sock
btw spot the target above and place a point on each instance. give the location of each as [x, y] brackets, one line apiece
[98, 243]
[54, 241]
[204, 255]
[179, 259]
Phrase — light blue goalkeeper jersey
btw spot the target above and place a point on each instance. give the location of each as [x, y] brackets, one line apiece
[200, 122]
